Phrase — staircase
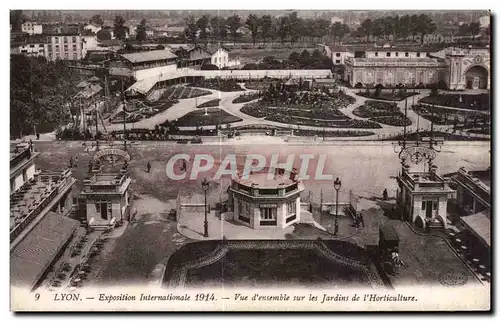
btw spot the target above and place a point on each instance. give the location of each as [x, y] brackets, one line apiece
[435, 223]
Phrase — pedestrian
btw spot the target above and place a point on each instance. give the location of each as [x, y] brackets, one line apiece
[384, 194]
[148, 167]
[37, 136]
[361, 220]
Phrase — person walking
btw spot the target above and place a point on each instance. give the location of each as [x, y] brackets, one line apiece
[385, 194]
[148, 166]
[361, 220]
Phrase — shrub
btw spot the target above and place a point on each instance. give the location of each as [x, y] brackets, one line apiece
[209, 67]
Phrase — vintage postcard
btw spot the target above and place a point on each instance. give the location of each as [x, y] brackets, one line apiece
[288, 160]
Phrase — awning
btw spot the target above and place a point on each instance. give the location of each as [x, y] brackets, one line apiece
[480, 225]
[34, 254]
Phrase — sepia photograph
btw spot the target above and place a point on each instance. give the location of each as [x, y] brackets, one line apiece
[250, 160]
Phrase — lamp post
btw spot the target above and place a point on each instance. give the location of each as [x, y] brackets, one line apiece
[204, 185]
[337, 184]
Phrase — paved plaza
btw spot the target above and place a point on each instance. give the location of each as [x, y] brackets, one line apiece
[152, 237]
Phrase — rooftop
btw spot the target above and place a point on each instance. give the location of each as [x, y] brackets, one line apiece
[88, 91]
[19, 154]
[28, 201]
[335, 48]
[268, 178]
[149, 56]
[32, 256]
[483, 176]
[480, 224]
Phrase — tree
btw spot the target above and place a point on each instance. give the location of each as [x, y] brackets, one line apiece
[334, 29]
[322, 26]
[191, 30]
[425, 26]
[403, 30]
[103, 34]
[474, 29]
[304, 58]
[202, 24]
[253, 23]
[366, 28]
[97, 20]
[141, 31]
[16, 19]
[294, 27]
[234, 23]
[414, 26]
[218, 28]
[266, 23]
[119, 28]
[463, 29]
[378, 28]
[283, 29]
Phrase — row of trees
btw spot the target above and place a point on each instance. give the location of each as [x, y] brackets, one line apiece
[396, 27]
[290, 28]
[469, 29]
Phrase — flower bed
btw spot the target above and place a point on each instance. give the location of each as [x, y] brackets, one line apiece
[317, 118]
[389, 96]
[137, 113]
[214, 117]
[345, 123]
[182, 92]
[373, 108]
[476, 102]
[392, 120]
[226, 85]
[210, 103]
[255, 110]
[245, 98]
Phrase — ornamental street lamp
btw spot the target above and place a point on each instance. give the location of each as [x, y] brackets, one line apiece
[337, 184]
[205, 185]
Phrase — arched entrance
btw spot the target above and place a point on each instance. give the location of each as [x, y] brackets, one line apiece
[476, 78]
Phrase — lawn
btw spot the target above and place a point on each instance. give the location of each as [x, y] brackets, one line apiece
[210, 103]
[462, 101]
[183, 92]
[254, 55]
[213, 117]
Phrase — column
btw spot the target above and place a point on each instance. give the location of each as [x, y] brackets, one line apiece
[255, 218]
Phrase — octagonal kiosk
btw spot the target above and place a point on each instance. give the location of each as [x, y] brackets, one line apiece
[269, 199]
